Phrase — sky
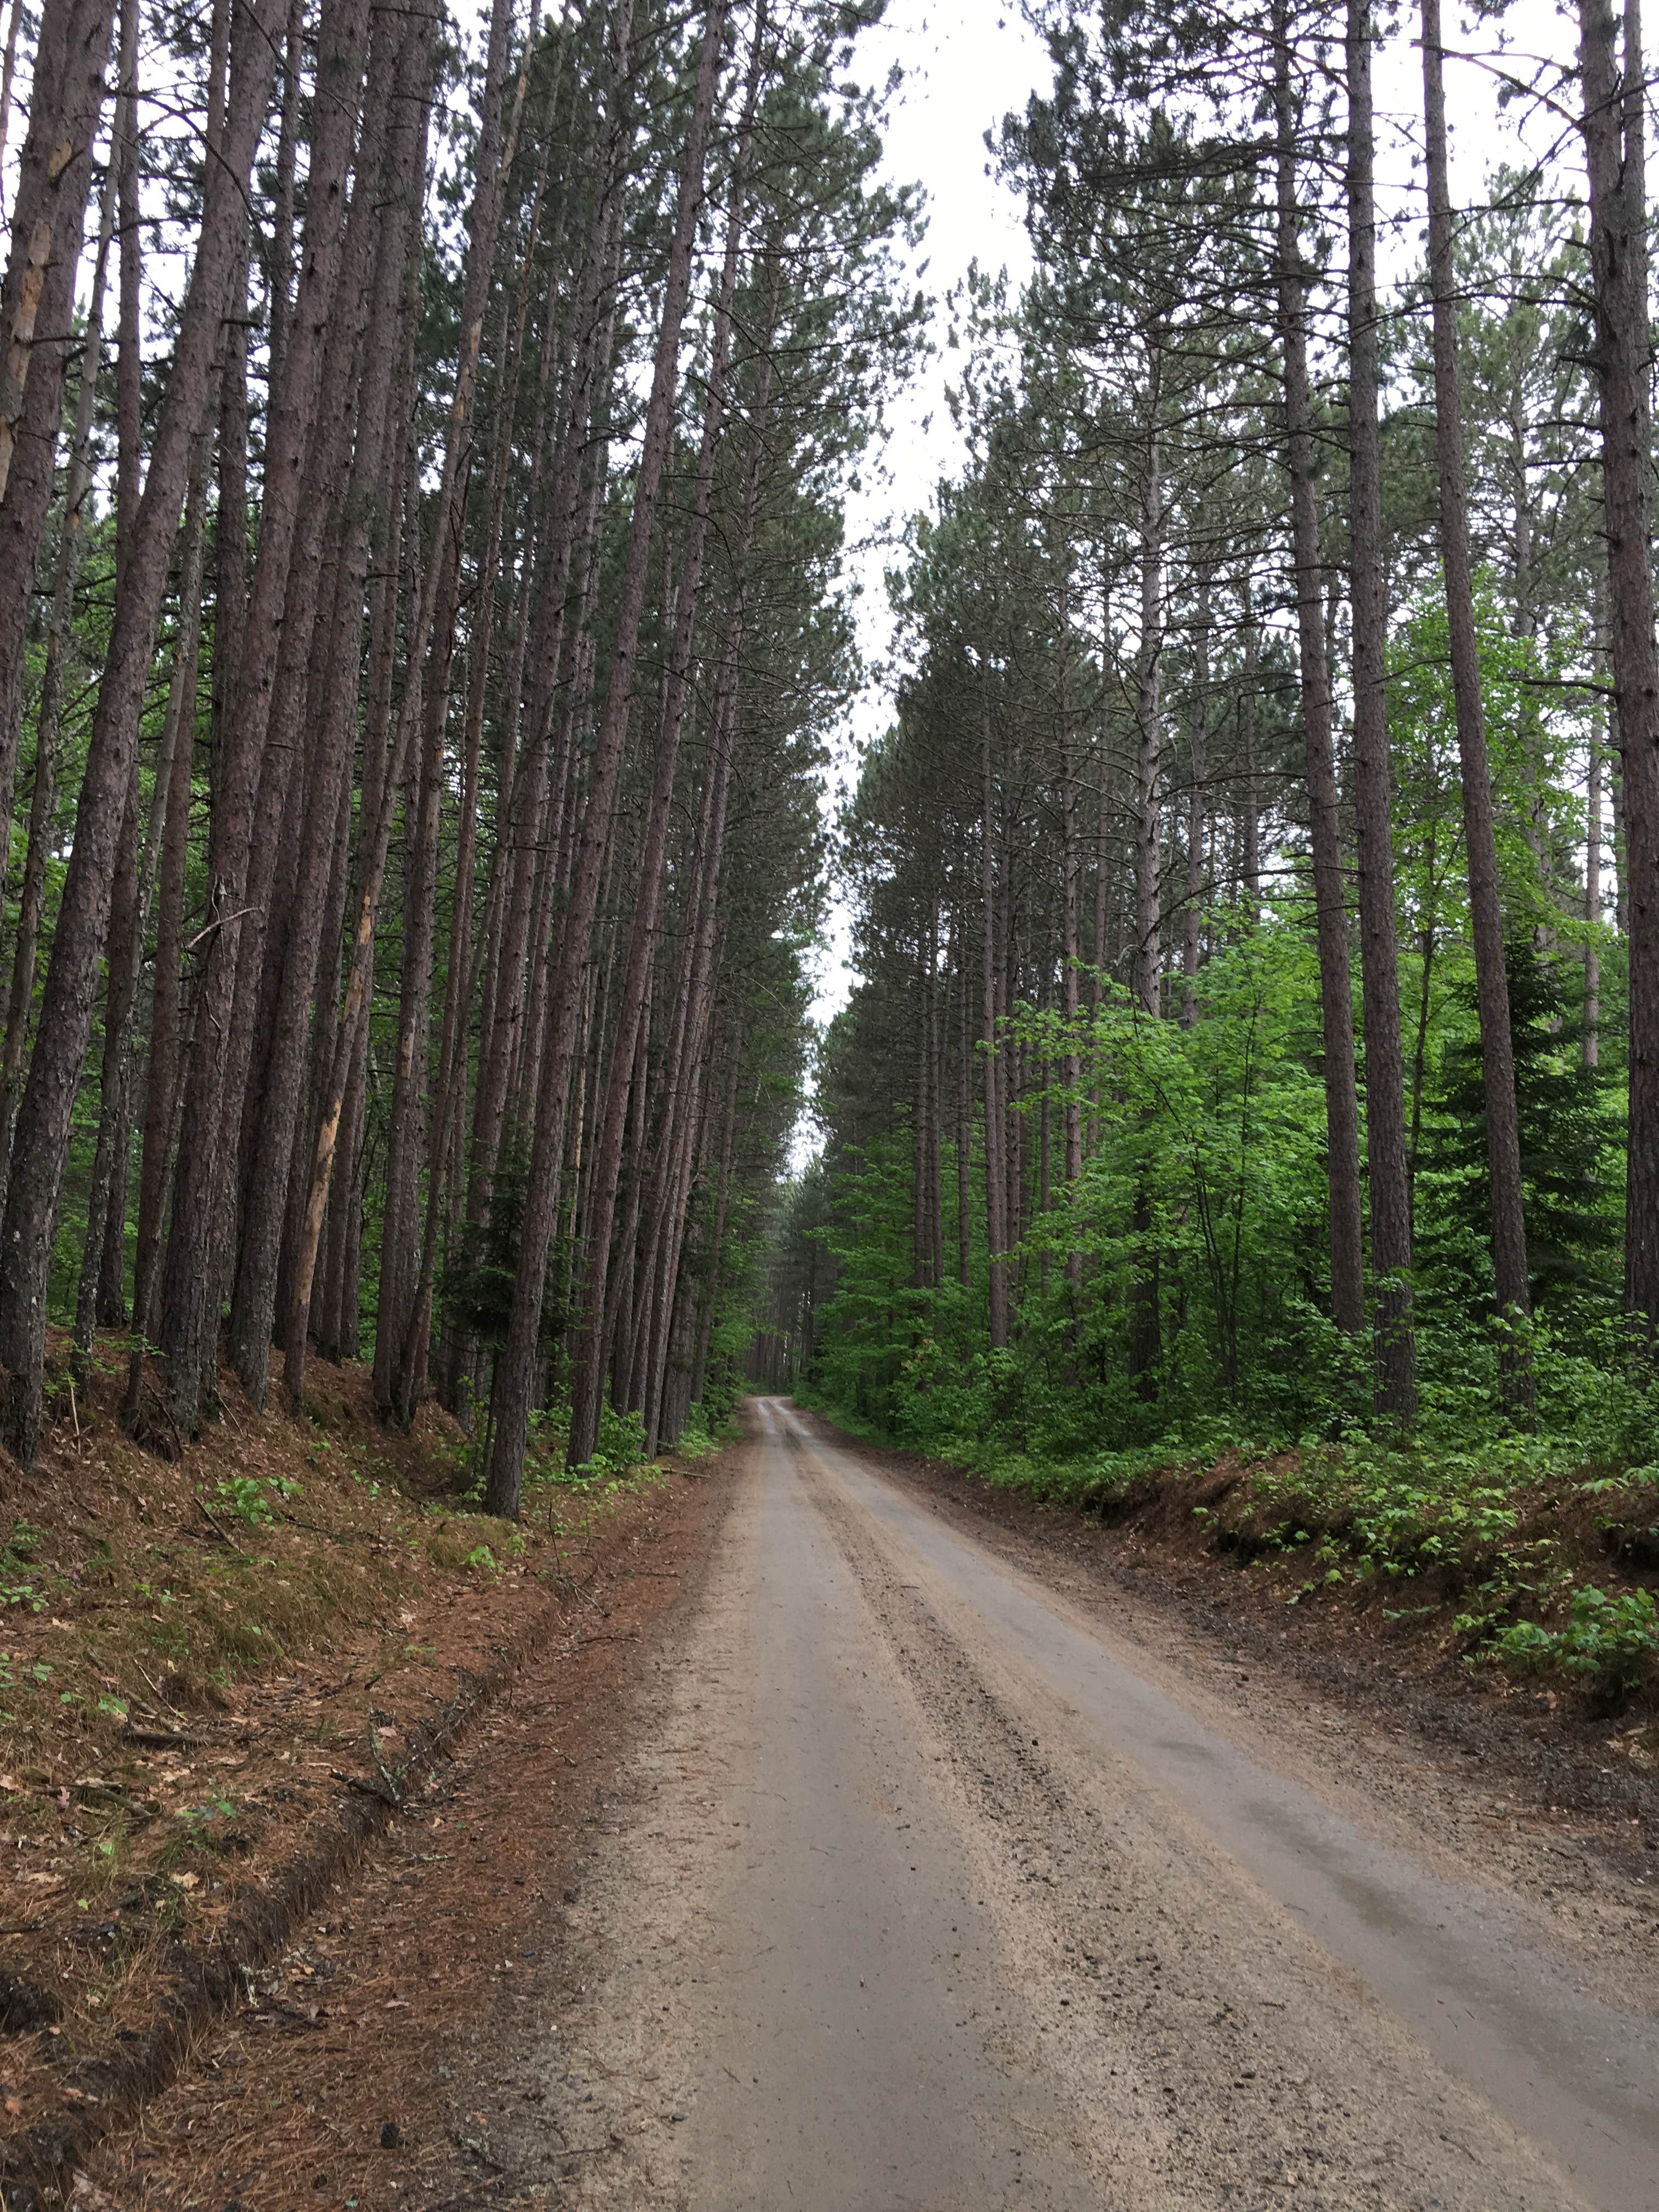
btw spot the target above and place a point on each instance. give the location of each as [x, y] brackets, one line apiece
[965, 66]
[968, 65]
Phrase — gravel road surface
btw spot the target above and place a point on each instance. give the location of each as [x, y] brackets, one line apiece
[933, 1890]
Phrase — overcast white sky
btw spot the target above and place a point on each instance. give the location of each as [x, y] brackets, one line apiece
[968, 65]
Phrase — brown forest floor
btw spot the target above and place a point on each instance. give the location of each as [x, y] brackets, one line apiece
[212, 1674]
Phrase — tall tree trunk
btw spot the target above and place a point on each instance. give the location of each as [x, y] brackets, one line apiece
[494, 149]
[230, 520]
[401, 1295]
[1148, 966]
[1250, 844]
[965, 1112]
[588, 1352]
[1614, 143]
[1192, 920]
[1071, 933]
[1379, 950]
[530, 803]
[166, 1026]
[37, 300]
[102, 1289]
[996, 1186]
[281, 274]
[384, 212]
[43, 1127]
[1593, 896]
[1335, 989]
[516, 1370]
[1509, 1235]
[238, 861]
[71, 543]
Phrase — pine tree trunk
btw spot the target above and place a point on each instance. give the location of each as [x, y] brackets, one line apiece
[281, 274]
[589, 1351]
[996, 1217]
[402, 1291]
[1193, 914]
[516, 1370]
[102, 1289]
[1614, 141]
[1379, 950]
[1148, 732]
[194, 1276]
[1509, 1235]
[36, 302]
[230, 520]
[1593, 896]
[531, 803]
[1336, 987]
[1071, 937]
[43, 1128]
[383, 213]
[71, 544]
[490, 167]
[1250, 860]
[166, 1027]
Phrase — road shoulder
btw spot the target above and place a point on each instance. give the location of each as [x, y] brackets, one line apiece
[359, 2072]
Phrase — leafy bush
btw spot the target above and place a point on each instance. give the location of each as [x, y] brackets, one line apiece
[249, 1497]
[20, 1577]
[620, 1448]
[1610, 1639]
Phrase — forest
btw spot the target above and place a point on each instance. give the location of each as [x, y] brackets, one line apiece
[422, 456]
[428, 610]
[1253, 1049]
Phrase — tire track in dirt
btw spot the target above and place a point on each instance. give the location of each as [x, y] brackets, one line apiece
[1243, 2084]
[877, 1918]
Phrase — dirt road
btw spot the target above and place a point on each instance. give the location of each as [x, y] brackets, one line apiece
[930, 1891]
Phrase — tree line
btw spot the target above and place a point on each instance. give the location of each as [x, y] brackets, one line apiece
[1255, 1022]
[421, 615]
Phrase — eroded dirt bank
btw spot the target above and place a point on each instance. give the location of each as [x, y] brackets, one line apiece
[351, 2074]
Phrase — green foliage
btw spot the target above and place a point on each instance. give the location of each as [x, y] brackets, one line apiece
[477, 1282]
[250, 1498]
[1570, 1156]
[1611, 1640]
[21, 1581]
[621, 1445]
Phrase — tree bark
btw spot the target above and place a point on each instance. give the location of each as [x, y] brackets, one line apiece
[515, 1368]
[166, 1027]
[1379, 950]
[1509, 1235]
[43, 1127]
[36, 306]
[59, 638]
[996, 1199]
[1336, 988]
[1614, 144]
[588, 1352]
[1148, 966]
[384, 212]
[238, 861]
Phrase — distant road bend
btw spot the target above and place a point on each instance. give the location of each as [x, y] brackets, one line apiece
[930, 1891]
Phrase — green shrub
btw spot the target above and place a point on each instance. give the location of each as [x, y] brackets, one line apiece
[248, 1497]
[1611, 1640]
